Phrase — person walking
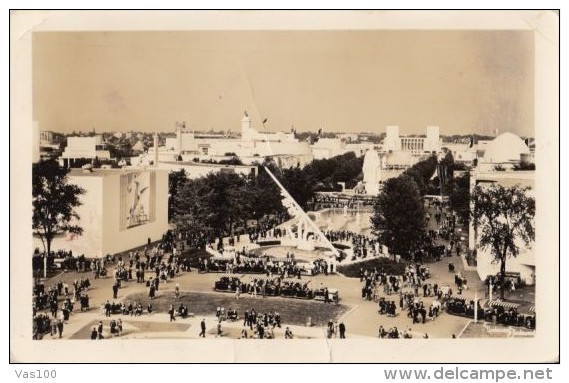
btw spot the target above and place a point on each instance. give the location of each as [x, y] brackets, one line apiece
[171, 312]
[342, 328]
[53, 307]
[60, 327]
[100, 329]
[202, 326]
[115, 290]
[330, 329]
[108, 309]
[219, 329]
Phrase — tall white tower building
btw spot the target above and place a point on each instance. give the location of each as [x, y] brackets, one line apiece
[392, 141]
[246, 131]
[372, 172]
[433, 141]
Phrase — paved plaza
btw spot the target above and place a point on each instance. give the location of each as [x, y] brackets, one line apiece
[306, 319]
[361, 317]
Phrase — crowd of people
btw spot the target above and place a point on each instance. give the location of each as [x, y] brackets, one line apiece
[185, 238]
[394, 333]
[159, 263]
[60, 300]
[417, 311]
[48, 297]
[361, 244]
[132, 308]
[261, 326]
[182, 311]
[323, 201]
[41, 325]
[375, 281]
[244, 263]
[221, 314]
[255, 325]
[411, 286]
[275, 286]
[115, 329]
[267, 228]
[189, 238]
[364, 245]
[414, 306]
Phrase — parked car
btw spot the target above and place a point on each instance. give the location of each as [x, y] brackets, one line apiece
[333, 295]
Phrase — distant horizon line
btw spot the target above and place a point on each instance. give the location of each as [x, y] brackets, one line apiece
[237, 132]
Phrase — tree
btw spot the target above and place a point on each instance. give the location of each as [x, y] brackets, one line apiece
[298, 183]
[460, 196]
[187, 207]
[399, 216]
[265, 194]
[54, 201]
[176, 180]
[348, 169]
[446, 173]
[220, 201]
[235, 160]
[422, 172]
[504, 218]
[324, 174]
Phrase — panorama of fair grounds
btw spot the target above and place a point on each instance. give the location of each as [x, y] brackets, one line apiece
[250, 235]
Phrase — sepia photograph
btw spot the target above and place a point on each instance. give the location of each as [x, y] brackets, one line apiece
[285, 186]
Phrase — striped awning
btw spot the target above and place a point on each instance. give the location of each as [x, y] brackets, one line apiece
[532, 309]
[261, 277]
[506, 305]
[280, 259]
[461, 297]
[221, 258]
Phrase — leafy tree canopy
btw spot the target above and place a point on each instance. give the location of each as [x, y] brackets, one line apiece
[54, 201]
[399, 215]
[504, 218]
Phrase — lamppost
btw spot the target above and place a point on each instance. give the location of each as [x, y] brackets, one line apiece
[476, 307]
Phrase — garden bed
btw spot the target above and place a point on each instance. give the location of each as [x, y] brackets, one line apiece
[387, 265]
[292, 311]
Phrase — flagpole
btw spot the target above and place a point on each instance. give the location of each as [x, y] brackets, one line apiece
[441, 179]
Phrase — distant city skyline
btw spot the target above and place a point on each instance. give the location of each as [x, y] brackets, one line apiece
[342, 81]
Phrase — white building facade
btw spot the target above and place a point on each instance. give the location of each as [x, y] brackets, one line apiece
[120, 210]
[84, 148]
[496, 166]
[252, 148]
[416, 145]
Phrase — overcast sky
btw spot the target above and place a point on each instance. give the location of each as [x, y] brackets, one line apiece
[351, 81]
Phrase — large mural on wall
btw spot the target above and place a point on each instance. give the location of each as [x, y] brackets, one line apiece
[137, 198]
